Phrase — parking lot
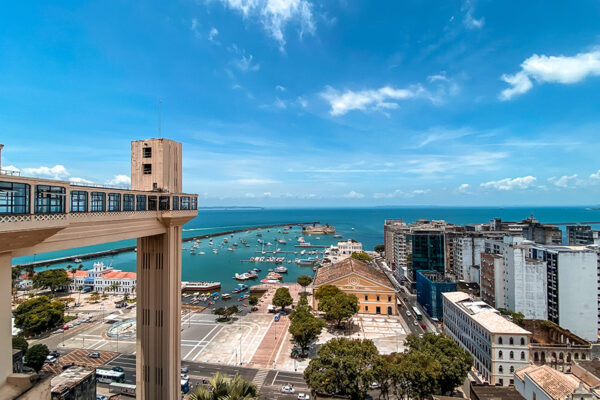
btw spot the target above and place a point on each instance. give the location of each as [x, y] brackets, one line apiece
[79, 357]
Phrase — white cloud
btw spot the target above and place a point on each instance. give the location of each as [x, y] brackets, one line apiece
[469, 20]
[75, 179]
[212, 35]
[354, 195]
[564, 181]
[274, 15]
[400, 193]
[254, 181]
[464, 187]
[438, 77]
[595, 175]
[303, 103]
[267, 194]
[120, 179]
[342, 102]
[524, 182]
[245, 63]
[279, 103]
[56, 172]
[280, 88]
[551, 69]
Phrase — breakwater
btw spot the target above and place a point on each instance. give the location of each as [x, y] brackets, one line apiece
[88, 256]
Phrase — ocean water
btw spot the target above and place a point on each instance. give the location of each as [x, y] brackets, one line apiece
[362, 224]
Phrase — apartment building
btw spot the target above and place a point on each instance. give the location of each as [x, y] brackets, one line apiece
[498, 346]
[582, 235]
[492, 279]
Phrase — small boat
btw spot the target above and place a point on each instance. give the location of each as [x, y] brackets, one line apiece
[199, 286]
[259, 234]
[256, 269]
[352, 228]
[232, 235]
[234, 244]
[243, 297]
[266, 280]
[274, 275]
[240, 288]
[269, 244]
[201, 253]
[226, 296]
[230, 249]
[77, 260]
[338, 236]
[281, 269]
[281, 241]
[210, 303]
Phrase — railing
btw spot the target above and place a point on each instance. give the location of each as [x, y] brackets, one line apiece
[100, 185]
[10, 172]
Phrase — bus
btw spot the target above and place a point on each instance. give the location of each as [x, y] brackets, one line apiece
[122, 388]
[109, 376]
[417, 313]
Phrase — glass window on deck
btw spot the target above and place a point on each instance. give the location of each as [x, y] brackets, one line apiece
[152, 203]
[14, 198]
[175, 202]
[79, 201]
[164, 203]
[140, 202]
[185, 203]
[49, 199]
[98, 202]
[194, 203]
[128, 202]
[114, 202]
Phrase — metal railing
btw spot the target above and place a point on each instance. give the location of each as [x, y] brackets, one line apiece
[10, 172]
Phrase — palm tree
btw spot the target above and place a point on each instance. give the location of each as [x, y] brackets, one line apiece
[114, 286]
[222, 387]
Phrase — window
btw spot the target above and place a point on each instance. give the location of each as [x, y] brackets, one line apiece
[49, 199]
[128, 200]
[511, 355]
[194, 203]
[389, 299]
[147, 169]
[377, 310]
[152, 206]
[140, 204]
[500, 369]
[366, 297]
[14, 198]
[501, 382]
[511, 341]
[512, 369]
[522, 341]
[175, 202]
[377, 298]
[500, 340]
[185, 203]
[366, 308]
[147, 152]
[98, 202]
[512, 382]
[500, 354]
[79, 201]
[164, 203]
[114, 202]
[522, 355]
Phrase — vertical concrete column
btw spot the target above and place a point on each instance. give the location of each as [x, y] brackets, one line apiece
[5, 317]
[159, 316]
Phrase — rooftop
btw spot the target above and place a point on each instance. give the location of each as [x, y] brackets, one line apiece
[69, 379]
[556, 384]
[347, 266]
[488, 392]
[119, 275]
[593, 367]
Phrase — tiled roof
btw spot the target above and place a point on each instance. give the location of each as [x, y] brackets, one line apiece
[553, 382]
[456, 296]
[347, 266]
[119, 275]
[496, 323]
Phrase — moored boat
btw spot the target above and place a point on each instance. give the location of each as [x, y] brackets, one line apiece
[199, 286]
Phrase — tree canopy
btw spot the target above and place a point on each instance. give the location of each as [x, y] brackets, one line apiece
[305, 328]
[19, 342]
[52, 279]
[339, 307]
[253, 300]
[380, 248]
[304, 280]
[361, 256]
[223, 387]
[36, 355]
[325, 291]
[282, 298]
[344, 367]
[227, 312]
[39, 314]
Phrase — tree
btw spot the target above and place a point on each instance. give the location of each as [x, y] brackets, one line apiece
[362, 256]
[304, 327]
[380, 248]
[454, 360]
[282, 298]
[222, 387]
[94, 297]
[343, 367]
[304, 281]
[339, 307]
[19, 342]
[52, 279]
[39, 314]
[126, 297]
[516, 317]
[253, 300]
[226, 312]
[36, 355]
[114, 286]
[325, 291]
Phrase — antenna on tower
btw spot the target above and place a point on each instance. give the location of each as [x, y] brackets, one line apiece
[159, 103]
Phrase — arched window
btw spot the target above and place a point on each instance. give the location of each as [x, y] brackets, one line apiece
[500, 369]
[500, 354]
[512, 369]
[511, 341]
[522, 355]
[500, 340]
[511, 355]
[522, 341]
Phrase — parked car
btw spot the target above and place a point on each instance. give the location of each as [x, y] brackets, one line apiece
[50, 360]
[277, 316]
[59, 330]
[95, 354]
[117, 369]
[288, 389]
[415, 323]
[101, 397]
[185, 377]
[55, 354]
[424, 326]
[184, 370]
[375, 385]
[303, 396]
[67, 366]
[66, 327]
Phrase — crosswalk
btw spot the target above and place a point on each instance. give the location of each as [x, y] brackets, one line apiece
[259, 378]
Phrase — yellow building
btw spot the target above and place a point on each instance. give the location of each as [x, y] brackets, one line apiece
[375, 292]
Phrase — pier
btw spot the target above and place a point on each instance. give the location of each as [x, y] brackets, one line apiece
[88, 256]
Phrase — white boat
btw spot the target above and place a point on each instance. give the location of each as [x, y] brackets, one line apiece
[202, 253]
[77, 260]
[281, 269]
[269, 244]
[215, 251]
[303, 252]
[230, 249]
[281, 241]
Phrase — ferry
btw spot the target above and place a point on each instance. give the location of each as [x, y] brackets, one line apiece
[306, 261]
[199, 286]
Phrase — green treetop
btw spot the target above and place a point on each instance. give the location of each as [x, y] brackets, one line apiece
[282, 298]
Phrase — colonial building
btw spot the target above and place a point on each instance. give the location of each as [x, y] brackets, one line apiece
[343, 250]
[103, 278]
[544, 383]
[375, 292]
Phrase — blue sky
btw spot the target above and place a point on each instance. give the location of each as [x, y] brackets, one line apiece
[298, 102]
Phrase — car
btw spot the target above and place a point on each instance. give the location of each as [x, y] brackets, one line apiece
[101, 397]
[60, 330]
[185, 377]
[277, 316]
[77, 323]
[303, 396]
[205, 381]
[65, 328]
[408, 314]
[424, 326]
[95, 354]
[374, 385]
[67, 366]
[117, 369]
[288, 389]
[50, 360]
[55, 354]
[184, 370]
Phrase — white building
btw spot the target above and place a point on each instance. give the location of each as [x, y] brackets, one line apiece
[343, 250]
[572, 287]
[498, 346]
[101, 278]
[467, 257]
[536, 382]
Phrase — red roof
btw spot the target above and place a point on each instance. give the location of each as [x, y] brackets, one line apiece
[77, 274]
[119, 275]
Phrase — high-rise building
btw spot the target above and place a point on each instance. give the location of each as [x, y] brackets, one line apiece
[428, 250]
[492, 280]
[430, 286]
[582, 235]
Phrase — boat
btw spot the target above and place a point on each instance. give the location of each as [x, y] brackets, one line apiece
[202, 253]
[274, 275]
[230, 249]
[269, 244]
[215, 251]
[257, 269]
[304, 244]
[199, 286]
[303, 252]
[240, 288]
[338, 236]
[234, 244]
[352, 228]
[259, 234]
[306, 261]
[281, 269]
[267, 280]
[232, 235]
[243, 297]
[226, 296]
[77, 260]
[281, 241]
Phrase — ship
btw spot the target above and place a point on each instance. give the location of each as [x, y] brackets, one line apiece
[199, 286]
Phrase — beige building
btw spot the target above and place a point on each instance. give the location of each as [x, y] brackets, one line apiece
[41, 215]
[375, 292]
